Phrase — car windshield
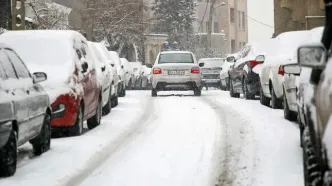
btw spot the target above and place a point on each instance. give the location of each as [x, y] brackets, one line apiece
[209, 63]
[176, 58]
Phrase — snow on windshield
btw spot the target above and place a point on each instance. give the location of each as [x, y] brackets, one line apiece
[176, 58]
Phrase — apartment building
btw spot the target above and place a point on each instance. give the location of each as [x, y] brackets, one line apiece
[290, 15]
[230, 25]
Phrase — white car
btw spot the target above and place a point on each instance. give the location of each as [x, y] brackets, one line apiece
[104, 75]
[128, 73]
[115, 83]
[121, 73]
[176, 70]
[285, 47]
[224, 74]
[137, 69]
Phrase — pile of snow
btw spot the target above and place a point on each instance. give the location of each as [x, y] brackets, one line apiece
[51, 52]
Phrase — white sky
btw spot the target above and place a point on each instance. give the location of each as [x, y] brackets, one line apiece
[262, 11]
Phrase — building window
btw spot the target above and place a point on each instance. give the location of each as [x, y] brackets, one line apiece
[239, 19]
[244, 18]
[216, 27]
[207, 26]
[232, 15]
[233, 46]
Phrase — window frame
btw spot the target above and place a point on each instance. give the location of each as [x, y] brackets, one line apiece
[20, 61]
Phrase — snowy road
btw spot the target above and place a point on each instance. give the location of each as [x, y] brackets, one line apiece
[173, 140]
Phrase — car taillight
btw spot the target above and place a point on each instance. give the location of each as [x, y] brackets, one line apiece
[281, 71]
[253, 63]
[195, 70]
[156, 71]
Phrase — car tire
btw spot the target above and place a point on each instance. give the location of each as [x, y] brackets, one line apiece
[311, 167]
[42, 143]
[77, 129]
[122, 91]
[275, 102]
[245, 90]
[154, 92]
[231, 91]
[8, 154]
[95, 120]
[108, 107]
[228, 85]
[263, 99]
[288, 114]
[115, 101]
[129, 87]
[197, 92]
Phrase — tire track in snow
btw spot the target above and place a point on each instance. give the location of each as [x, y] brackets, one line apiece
[236, 134]
[111, 147]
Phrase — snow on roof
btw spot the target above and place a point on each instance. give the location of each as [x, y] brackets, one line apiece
[176, 52]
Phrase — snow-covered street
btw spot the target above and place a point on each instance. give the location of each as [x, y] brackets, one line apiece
[175, 139]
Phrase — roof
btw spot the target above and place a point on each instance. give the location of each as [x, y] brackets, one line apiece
[44, 33]
[176, 52]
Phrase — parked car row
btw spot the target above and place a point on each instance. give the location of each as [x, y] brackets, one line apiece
[140, 78]
[290, 72]
[53, 81]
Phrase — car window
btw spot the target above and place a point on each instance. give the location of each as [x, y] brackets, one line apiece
[176, 58]
[20, 68]
[7, 66]
[2, 71]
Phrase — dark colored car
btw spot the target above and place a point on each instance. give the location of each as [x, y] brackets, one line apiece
[242, 77]
[25, 111]
[211, 71]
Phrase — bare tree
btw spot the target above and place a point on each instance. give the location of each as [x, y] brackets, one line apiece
[118, 21]
[48, 15]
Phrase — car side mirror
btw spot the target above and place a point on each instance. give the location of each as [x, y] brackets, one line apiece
[294, 69]
[201, 64]
[39, 77]
[312, 56]
[231, 59]
[85, 67]
[260, 58]
[149, 65]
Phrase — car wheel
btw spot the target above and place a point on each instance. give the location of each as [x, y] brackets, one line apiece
[42, 143]
[245, 90]
[129, 85]
[197, 92]
[311, 168]
[263, 99]
[108, 107]
[288, 114]
[276, 103]
[77, 129]
[228, 84]
[8, 154]
[154, 92]
[122, 88]
[94, 121]
[231, 91]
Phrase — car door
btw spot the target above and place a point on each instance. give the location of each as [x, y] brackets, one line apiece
[238, 68]
[17, 89]
[39, 101]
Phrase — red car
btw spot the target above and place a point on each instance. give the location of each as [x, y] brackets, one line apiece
[72, 82]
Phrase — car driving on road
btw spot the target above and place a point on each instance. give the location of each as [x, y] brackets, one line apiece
[176, 70]
[211, 71]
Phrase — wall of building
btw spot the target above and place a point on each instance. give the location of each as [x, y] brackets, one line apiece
[289, 15]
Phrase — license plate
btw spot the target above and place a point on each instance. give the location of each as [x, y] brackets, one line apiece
[176, 72]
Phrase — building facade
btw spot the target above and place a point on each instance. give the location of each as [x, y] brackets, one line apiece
[229, 27]
[290, 15]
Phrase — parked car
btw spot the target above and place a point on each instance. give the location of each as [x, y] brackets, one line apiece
[104, 75]
[224, 72]
[128, 73]
[290, 84]
[211, 71]
[72, 85]
[243, 78]
[284, 46]
[176, 70]
[146, 78]
[25, 110]
[115, 83]
[137, 69]
[121, 73]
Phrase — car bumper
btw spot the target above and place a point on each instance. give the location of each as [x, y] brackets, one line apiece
[68, 116]
[176, 82]
[5, 129]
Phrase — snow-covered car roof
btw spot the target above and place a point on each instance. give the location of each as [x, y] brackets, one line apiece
[176, 52]
[115, 58]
